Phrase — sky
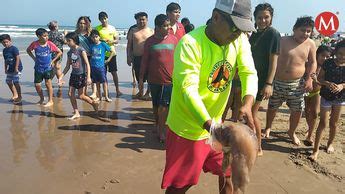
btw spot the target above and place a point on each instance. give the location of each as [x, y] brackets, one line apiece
[66, 12]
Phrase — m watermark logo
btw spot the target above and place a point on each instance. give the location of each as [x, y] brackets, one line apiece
[327, 23]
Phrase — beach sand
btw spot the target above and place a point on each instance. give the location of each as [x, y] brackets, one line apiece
[117, 151]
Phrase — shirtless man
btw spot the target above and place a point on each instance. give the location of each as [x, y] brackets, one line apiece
[135, 46]
[134, 80]
[296, 64]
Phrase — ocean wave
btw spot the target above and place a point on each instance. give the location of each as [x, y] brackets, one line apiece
[28, 31]
[17, 29]
[21, 34]
[8, 26]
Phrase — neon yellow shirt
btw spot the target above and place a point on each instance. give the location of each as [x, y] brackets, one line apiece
[107, 33]
[202, 78]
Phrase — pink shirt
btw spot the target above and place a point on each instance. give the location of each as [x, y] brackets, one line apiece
[43, 55]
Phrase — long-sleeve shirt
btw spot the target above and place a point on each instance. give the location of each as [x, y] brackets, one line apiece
[158, 59]
[202, 77]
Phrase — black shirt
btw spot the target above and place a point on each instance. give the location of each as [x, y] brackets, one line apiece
[263, 44]
[335, 74]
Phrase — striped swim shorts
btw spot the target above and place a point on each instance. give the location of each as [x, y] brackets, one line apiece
[290, 91]
[13, 77]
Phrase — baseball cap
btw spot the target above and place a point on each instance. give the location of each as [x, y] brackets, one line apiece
[240, 13]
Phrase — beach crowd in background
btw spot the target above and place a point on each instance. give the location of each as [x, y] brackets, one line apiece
[194, 76]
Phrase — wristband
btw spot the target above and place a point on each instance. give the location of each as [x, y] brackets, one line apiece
[211, 133]
[270, 84]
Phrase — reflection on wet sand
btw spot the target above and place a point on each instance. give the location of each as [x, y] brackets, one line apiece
[19, 134]
[51, 149]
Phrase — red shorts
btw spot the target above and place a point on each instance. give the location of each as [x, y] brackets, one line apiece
[186, 158]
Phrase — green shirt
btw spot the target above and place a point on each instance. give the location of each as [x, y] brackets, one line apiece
[106, 34]
[202, 78]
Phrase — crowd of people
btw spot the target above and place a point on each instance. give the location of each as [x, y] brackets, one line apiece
[195, 78]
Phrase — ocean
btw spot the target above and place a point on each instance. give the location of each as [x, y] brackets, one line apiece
[23, 35]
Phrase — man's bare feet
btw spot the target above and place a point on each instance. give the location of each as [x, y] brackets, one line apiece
[118, 94]
[308, 142]
[48, 104]
[139, 95]
[95, 105]
[330, 149]
[93, 96]
[146, 97]
[294, 138]
[13, 98]
[260, 152]
[266, 133]
[107, 99]
[313, 157]
[75, 116]
[40, 102]
[17, 101]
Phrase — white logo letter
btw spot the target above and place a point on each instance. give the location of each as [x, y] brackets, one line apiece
[323, 23]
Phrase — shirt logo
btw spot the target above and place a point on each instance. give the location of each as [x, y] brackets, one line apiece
[219, 78]
[96, 53]
[75, 61]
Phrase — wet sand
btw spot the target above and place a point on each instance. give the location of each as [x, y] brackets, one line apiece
[117, 152]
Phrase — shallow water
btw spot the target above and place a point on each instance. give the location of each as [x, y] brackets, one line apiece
[39, 144]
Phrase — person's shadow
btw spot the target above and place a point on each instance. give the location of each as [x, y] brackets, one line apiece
[141, 136]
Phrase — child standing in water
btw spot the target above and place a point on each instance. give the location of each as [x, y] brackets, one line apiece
[158, 64]
[58, 38]
[98, 69]
[13, 67]
[265, 46]
[77, 57]
[312, 101]
[332, 80]
[43, 63]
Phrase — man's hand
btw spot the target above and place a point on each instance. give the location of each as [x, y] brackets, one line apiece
[207, 125]
[267, 92]
[246, 110]
[308, 85]
[129, 61]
